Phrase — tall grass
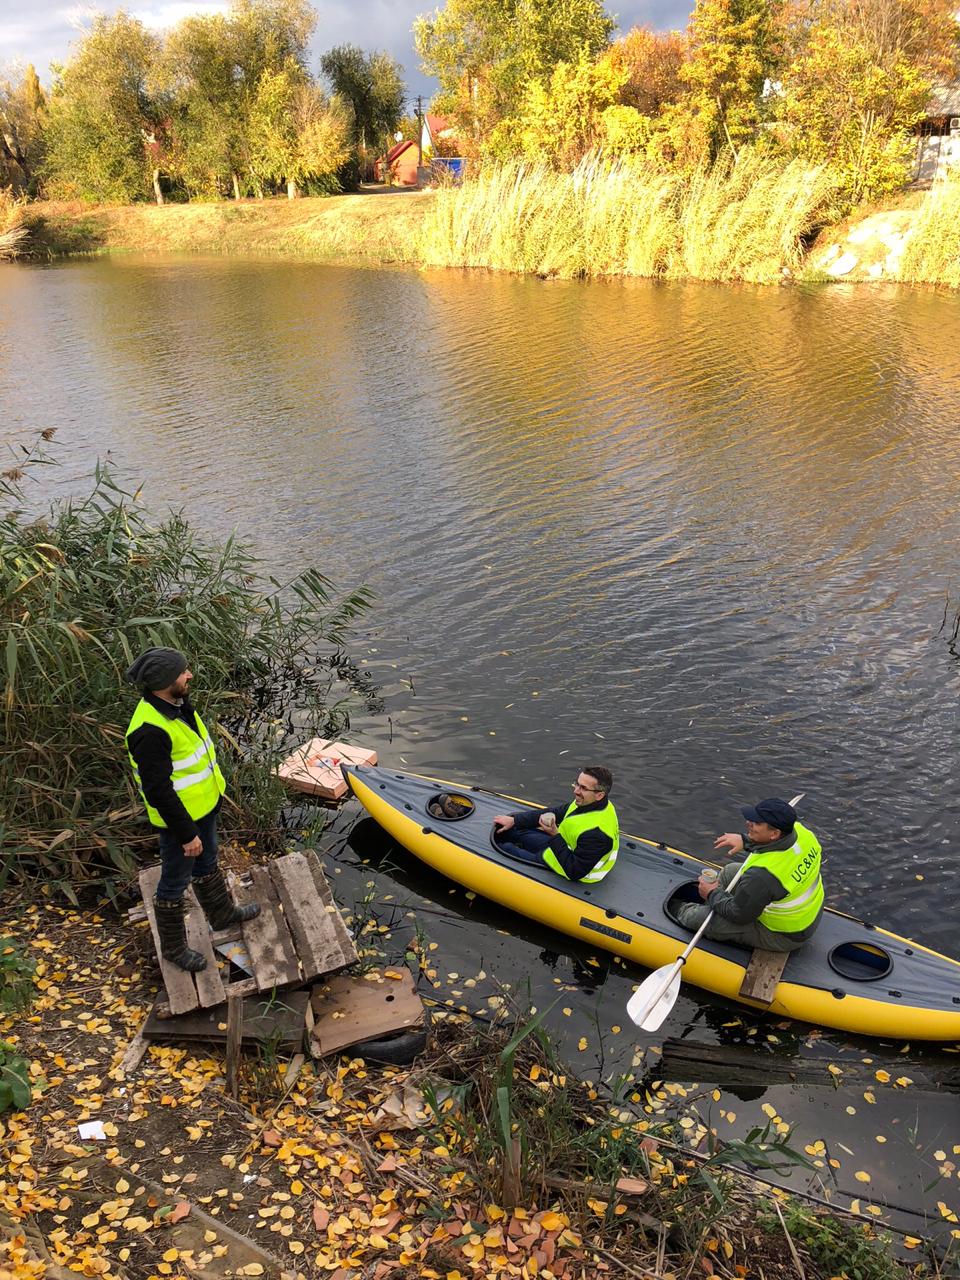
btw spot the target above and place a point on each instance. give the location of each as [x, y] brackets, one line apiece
[82, 591]
[932, 252]
[737, 221]
[13, 229]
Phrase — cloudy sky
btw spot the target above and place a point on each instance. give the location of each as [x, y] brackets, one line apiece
[41, 31]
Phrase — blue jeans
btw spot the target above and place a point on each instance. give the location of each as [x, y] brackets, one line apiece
[177, 870]
[527, 846]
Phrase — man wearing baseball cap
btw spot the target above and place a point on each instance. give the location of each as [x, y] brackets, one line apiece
[778, 901]
[175, 768]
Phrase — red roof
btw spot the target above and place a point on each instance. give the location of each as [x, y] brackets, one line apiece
[437, 125]
[398, 149]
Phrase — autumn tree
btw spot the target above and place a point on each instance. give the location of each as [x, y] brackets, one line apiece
[486, 52]
[211, 70]
[859, 81]
[97, 112]
[562, 118]
[372, 85]
[21, 130]
[651, 62]
[735, 47]
[299, 135]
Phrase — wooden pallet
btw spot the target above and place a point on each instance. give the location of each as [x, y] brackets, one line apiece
[299, 934]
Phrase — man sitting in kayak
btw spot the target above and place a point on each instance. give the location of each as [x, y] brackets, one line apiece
[583, 846]
[778, 902]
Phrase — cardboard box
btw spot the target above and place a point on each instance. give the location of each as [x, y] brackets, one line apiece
[314, 768]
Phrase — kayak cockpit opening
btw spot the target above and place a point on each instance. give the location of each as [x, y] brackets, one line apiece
[678, 896]
[860, 961]
[450, 806]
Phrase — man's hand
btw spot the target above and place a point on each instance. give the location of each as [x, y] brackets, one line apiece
[194, 848]
[706, 887]
[502, 821]
[548, 823]
[731, 841]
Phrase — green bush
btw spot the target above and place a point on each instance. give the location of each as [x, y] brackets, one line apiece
[86, 588]
[16, 978]
[15, 1090]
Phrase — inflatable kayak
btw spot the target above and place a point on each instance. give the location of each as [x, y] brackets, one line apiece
[852, 975]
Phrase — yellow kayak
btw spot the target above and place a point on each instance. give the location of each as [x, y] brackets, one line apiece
[851, 975]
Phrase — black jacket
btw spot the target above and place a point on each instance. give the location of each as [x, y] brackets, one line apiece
[756, 889]
[150, 747]
[592, 845]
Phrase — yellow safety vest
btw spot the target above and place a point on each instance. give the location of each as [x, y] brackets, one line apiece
[572, 825]
[196, 776]
[798, 870]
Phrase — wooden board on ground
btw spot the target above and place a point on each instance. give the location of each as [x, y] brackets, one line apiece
[763, 975]
[268, 940]
[279, 1020]
[319, 947]
[347, 1010]
[314, 768]
[184, 991]
[348, 951]
[299, 935]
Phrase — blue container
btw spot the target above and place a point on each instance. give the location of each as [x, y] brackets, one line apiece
[451, 168]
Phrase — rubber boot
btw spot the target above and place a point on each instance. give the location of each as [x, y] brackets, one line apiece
[173, 936]
[221, 910]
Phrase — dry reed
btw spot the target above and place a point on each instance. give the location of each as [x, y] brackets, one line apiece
[932, 252]
[743, 221]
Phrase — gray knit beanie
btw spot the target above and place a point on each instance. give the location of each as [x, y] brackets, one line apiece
[157, 668]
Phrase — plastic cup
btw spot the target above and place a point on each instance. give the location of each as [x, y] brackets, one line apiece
[709, 875]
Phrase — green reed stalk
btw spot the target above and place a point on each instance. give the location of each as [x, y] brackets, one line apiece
[83, 590]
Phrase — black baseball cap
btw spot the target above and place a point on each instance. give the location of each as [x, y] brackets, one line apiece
[777, 813]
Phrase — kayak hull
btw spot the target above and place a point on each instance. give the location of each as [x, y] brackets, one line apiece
[826, 982]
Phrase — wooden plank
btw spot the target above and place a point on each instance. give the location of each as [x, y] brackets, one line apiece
[763, 975]
[312, 928]
[325, 894]
[234, 1036]
[725, 1064]
[267, 938]
[180, 986]
[135, 1050]
[245, 987]
[209, 983]
[281, 1021]
[347, 1010]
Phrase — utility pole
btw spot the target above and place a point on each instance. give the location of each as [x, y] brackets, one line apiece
[419, 131]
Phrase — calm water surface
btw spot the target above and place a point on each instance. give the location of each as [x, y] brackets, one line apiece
[705, 535]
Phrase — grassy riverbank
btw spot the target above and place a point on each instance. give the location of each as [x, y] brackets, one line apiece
[371, 227]
[758, 221]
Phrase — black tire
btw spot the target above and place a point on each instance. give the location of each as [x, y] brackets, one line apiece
[396, 1050]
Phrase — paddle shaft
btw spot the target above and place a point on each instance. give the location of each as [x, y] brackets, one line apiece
[681, 960]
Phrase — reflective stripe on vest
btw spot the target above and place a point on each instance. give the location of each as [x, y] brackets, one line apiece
[196, 776]
[798, 870]
[572, 826]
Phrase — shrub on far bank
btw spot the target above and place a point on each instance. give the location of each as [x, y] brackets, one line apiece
[87, 587]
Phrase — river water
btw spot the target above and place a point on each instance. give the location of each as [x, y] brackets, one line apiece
[705, 535]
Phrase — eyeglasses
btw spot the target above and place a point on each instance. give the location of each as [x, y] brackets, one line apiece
[577, 787]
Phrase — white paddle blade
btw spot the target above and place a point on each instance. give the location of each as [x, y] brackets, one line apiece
[654, 998]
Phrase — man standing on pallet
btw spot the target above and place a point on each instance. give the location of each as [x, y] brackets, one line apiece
[778, 901]
[176, 771]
